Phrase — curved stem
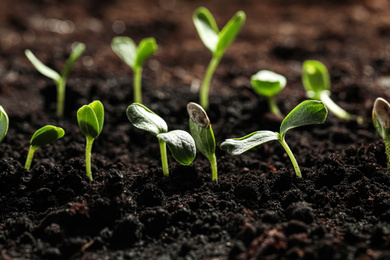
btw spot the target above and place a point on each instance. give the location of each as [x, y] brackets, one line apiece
[164, 158]
[214, 169]
[273, 107]
[30, 156]
[290, 155]
[137, 84]
[333, 107]
[387, 146]
[204, 89]
[61, 96]
[88, 150]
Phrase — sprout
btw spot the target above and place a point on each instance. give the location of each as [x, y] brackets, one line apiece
[216, 41]
[135, 57]
[381, 121]
[4, 122]
[180, 143]
[59, 79]
[268, 84]
[90, 119]
[306, 113]
[41, 137]
[203, 135]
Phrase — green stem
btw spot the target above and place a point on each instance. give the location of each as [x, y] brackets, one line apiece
[290, 155]
[387, 145]
[164, 157]
[214, 169]
[333, 107]
[61, 96]
[88, 150]
[30, 156]
[204, 89]
[273, 107]
[137, 84]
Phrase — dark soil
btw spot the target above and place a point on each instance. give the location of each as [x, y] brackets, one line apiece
[259, 209]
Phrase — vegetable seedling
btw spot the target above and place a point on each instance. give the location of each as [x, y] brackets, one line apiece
[268, 84]
[4, 122]
[306, 113]
[135, 57]
[41, 137]
[59, 79]
[381, 121]
[90, 119]
[216, 41]
[180, 143]
[201, 131]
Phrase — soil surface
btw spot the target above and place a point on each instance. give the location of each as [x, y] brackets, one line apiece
[259, 209]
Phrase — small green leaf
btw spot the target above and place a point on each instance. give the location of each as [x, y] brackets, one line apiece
[98, 109]
[42, 68]
[145, 119]
[308, 112]
[315, 78]
[268, 83]
[230, 31]
[381, 117]
[145, 49]
[91, 118]
[76, 53]
[237, 146]
[4, 123]
[207, 28]
[181, 144]
[46, 135]
[126, 49]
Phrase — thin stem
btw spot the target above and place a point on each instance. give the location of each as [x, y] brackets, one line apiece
[204, 89]
[214, 169]
[137, 84]
[273, 107]
[291, 156]
[333, 107]
[30, 156]
[61, 96]
[164, 157]
[88, 150]
[387, 145]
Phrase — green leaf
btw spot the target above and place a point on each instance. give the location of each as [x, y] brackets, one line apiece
[237, 146]
[46, 135]
[145, 49]
[4, 123]
[76, 53]
[230, 31]
[126, 49]
[207, 28]
[145, 119]
[181, 144]
[381, 117]
[91, 118]
[42, 68]
[315, 78]
[308, 112]
[98, 109]
[268, 83]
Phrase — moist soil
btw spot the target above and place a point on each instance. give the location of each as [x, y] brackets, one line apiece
[259, 209]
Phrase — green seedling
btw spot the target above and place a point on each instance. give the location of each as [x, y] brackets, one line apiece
[4, 122]
[135, 57]
[268, 84]
[216, 41]
[180, 143]
[381, 121]
[41, 137]
[90, 119]
[306, 113]
[59, 79]
[201, 131]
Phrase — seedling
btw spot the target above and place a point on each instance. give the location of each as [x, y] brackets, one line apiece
[306, 113]
[41, 137]
[4, 122]
[268, 84]
[180, 143]
[381, 120]
[59, 79]
[201, 131]
[90, 119]
[135, 57]
[216, 41]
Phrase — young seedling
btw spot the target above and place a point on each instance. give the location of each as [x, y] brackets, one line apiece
[180, 143]
[201, 131]
[216, 41]
[306, 113]
[135, 57]
[4, 122]
[381, 121]
[41, 137]
[90, 119]
[59, 79]
[268, 84]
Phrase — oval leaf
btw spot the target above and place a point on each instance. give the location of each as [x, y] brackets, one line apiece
[46, 135]
[4, 123]
[308, 112]
[268, 83]
[42, 68]
[98, 109]
[207, 28]
[145, 49]
[76, 53]
[125, 48]
[88, 122]
[181, 144]
[145, 119]
[381, 117]
[230, 31]
[315, 78]
[237, 146]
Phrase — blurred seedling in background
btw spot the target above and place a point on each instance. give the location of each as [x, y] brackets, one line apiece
[381, 121]
[4, 123]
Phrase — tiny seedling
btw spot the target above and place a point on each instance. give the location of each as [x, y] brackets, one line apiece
[306, 113]
[135, 57]
[180, 143]
[216, 41]
[41, 137]
[201, 131]
[59, 79]
[90, 119]
[381, 121]
[4, 122]
[268, 84]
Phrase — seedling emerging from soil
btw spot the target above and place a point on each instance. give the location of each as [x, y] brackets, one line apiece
[4, 122]
[381, 120]
[59, 79]
[41, 137]
[135, 57]
[201, 131]
[180, 143]
[216, 41]
[268, 84]
[90, 119]
[307, 113]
